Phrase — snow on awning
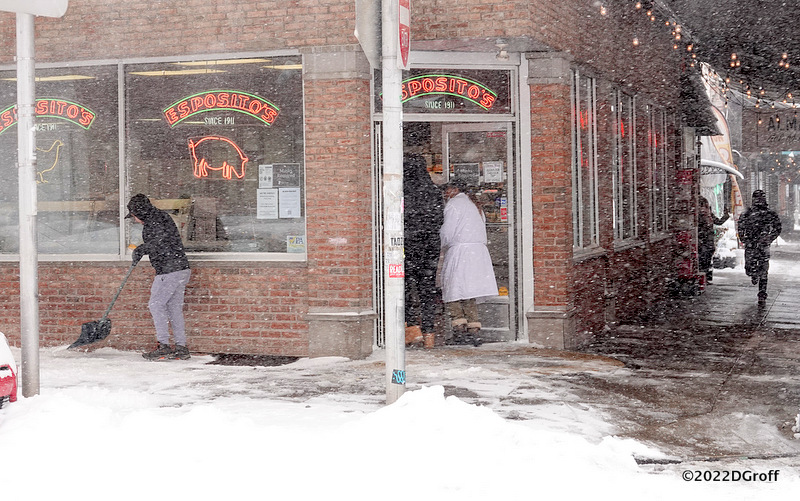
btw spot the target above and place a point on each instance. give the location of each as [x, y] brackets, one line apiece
[713, 167]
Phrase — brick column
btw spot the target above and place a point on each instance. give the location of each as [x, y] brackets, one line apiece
[339, 201]
[551, 322]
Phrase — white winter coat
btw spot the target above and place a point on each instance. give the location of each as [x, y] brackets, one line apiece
[467, 269]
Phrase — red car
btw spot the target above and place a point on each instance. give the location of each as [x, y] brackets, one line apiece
[8, 373]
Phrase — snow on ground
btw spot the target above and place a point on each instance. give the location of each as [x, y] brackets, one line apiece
[110, 425]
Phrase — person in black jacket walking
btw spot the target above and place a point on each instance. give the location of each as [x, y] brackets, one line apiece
[759, 226]
[162, 242]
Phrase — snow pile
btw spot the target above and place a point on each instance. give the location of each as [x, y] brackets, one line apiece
[117, 427]
[725, 255]
[796, 427]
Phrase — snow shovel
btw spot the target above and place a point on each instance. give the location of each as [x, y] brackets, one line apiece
[100, 329]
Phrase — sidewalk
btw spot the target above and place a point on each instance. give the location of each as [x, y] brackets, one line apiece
[716, 377]
[713, 379]
[711, 385]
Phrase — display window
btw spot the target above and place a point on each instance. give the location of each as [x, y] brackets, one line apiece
[219, 144]
[77, 161]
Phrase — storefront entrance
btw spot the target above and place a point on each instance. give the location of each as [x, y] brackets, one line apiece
[462, 122]
[480, 155]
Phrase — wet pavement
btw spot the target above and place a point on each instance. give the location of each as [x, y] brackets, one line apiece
[713, 377]
[707, 379]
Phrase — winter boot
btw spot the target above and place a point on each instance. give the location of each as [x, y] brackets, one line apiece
[473, 336]
[181, 353]
[163, 352]
[413, 335]
[459, 333]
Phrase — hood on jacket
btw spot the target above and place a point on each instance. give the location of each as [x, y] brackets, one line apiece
[140, 207]
[759, 198]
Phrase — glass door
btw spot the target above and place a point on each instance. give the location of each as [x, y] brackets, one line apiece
[482, 155]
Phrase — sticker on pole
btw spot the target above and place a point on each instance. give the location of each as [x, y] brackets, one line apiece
[398, 376]
[405, 33]
[396, 271]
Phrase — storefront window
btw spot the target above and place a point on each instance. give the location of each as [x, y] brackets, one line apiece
[584, 163]
[658, 169]
[220, 145]
[77, 158]
[625, 216]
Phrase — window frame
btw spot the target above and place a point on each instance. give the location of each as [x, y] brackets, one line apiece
[124, 252]
[658, 186]
[624, 171]
[585, 210]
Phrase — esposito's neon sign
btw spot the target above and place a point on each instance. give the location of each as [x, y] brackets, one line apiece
[221, 100]
[54, 108]
[428, 85]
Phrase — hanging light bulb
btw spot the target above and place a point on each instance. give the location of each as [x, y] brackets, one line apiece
[635, 42]
[638, 5]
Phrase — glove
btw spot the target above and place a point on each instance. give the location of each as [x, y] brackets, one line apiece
[137, 255]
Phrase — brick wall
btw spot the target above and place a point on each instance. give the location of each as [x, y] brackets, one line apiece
[551, 194]
[338, 193]
[108, 29]
[245, 308]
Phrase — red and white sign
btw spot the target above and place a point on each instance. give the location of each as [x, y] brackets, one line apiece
[396, 271]
[405, 33]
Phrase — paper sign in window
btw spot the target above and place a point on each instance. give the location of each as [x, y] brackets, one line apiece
[267, 203]
[289, 202]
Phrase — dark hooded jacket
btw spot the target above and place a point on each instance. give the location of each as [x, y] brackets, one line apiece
[423, 213]
[162, 241]
[759, 225]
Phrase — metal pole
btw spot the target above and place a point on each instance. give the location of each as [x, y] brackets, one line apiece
[26, 144]
[393, 208]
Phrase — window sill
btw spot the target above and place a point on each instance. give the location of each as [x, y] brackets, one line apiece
[579, 255]
[631, 243]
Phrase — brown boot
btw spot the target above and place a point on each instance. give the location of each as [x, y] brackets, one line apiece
[429, 340]
[413, 335]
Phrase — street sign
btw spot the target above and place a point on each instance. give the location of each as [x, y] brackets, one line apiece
[47, 8]
[368, 29]
[404, 33]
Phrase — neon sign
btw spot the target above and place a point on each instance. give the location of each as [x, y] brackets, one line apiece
[57, 145]
[427, 85]
[56, 108]
[201, 164]
[221, 100]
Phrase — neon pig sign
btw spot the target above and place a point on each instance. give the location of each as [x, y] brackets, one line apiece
[426, 85]
[55, 108]
[221, 100]
[201, 164]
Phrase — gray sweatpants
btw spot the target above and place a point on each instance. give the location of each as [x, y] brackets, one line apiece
[166, 305]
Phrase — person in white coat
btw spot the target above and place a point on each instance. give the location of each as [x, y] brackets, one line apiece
[467, 272]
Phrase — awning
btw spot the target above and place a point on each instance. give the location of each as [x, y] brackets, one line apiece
[695, 106]
[713, 167]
